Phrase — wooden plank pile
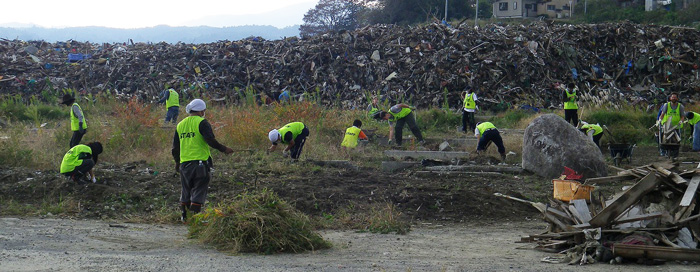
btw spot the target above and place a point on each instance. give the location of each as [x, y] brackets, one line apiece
[655, 217]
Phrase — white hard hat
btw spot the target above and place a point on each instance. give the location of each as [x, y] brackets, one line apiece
[273, 135]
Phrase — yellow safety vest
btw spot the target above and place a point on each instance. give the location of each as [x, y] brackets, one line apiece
[71, 159]
[484, 127]
[173, 99]
[695, 120]
[469, 102]
[351, 136]
[674, 113]
[192, 144]
[294, 127]
[74, 121]
[571, 104]
[399, 115]
[596, 128]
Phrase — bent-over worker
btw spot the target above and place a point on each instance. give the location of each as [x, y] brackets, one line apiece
[594, 131]
[693, 119]
[293, 135]
[400, 114]
[79, 160]
[486, 132]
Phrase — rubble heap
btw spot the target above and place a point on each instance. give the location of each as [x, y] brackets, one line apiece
[509, 65]
[655, 218]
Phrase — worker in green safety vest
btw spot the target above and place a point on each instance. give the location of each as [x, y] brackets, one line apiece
[353, 135]
[693, 119]
[594, 131]
[172, 104]
[487, 133]
[293, 135]
[398, 116]
[569, 97]
[469, 109]
[79, 161]
[672, 110]
[193, 161]
[78, 123]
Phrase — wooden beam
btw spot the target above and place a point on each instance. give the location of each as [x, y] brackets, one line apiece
[628, 198]
[656, 252]
[673, 176]
[690, 191]
[602, 180]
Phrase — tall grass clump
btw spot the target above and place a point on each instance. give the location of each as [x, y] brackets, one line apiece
[627, 126]
[258, 223]
[512, 118]
[438, 120]
[386, 220]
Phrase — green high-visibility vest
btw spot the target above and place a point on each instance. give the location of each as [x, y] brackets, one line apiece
[294, 127]
[469, 102]
[74, 121]
[571, 103]
[596, 129]
[192, 144]
[351, 136]
[71, 159]
[484, 127]
[674, 113]
[173, 99]
[399, 115]
[695, 120]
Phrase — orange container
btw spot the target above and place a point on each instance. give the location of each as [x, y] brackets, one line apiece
[567, 190]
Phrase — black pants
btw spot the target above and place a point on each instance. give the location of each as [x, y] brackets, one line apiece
[81, 170]
[468, 117]
[596, 139]
[299, 143]
[491, 135]
[571, 116]
[195, 177]
[409, 119]
[77, 136]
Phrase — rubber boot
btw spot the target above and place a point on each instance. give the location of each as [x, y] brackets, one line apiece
[183, 209]
[195, 208]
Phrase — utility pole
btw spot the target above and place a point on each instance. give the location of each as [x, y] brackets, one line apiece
[476, 16]
[446, 10]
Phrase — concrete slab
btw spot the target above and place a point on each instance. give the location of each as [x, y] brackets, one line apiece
[477, 168]
[393, 166]
[437, 155]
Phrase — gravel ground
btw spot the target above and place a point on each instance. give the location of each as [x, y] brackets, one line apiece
[91, 245]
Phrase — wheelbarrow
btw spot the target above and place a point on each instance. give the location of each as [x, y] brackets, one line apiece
[619, 152]
[669, 140]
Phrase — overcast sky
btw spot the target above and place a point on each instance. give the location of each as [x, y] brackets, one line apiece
[148, 13]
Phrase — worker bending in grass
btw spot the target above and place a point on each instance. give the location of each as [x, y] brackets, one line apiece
[353, 135]
[172, 105]
[487, 133]
[193, 161]
[78, 123]
[79, 161]
[693, 118]
[399, 115]
[293, 135]
[594, 131]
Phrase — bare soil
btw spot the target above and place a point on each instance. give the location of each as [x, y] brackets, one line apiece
[458, 224]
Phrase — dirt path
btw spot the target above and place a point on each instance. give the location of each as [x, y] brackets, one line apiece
[90, 245]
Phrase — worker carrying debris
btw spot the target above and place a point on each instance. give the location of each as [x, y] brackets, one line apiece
[486, 132]
[399, 115]
[353, 135]
[569, 97]
[595, 131]
[672, 116]
[190, 150]
[693, 118]
[79, 160]
[172, 104]
[78, 123]
[470, 107]
[293, 135]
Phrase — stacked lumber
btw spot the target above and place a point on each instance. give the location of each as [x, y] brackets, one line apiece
[655, 217]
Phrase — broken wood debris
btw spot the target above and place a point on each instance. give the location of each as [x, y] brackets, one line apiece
[515, 64]
[656, 217]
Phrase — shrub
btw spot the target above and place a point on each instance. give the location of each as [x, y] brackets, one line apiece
[258, 222]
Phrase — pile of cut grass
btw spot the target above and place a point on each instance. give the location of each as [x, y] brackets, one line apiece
[256, 223]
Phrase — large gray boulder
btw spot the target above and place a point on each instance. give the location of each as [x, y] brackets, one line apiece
[550, 143]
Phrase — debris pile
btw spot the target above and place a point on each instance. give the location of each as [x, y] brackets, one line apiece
[655, 218]
[616, 63]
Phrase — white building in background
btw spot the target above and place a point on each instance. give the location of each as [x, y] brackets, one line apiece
[533, 8]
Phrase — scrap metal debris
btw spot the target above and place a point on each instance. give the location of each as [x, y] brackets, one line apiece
[615, 63]
[654, 219]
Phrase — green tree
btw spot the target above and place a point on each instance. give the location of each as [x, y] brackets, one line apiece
[330, 15]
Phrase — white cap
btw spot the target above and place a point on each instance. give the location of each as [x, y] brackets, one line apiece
[196, 105]
[273, 135]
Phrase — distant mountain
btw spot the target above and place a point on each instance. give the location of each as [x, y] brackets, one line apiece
[201, 34]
